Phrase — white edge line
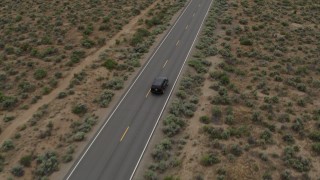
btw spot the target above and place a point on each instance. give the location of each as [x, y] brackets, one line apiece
[70, 174]
[145, 147]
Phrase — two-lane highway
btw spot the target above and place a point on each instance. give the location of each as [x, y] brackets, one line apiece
[117, 148]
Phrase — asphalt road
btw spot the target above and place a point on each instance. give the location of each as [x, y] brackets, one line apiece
[117, 148]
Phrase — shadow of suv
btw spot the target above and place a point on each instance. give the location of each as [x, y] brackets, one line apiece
[159, 85]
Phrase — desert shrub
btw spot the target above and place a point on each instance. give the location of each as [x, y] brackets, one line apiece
[150, 175]
[40, 74]
[26, 160]
[256, 117]
[79, 136]
[17, 171]
[155, 20]
[139, 36]
[47, 164]
[171, 178]
[209, 159]
[298, 163]
[298, 125]
[216, 133]
[236, 150]
[222, 77]
[7, 102]
[216, 112]
[181, 108]
[87, 43]
[84, 125]
[205, 119]
[316, 148]
[110, 64]
[284, 118]
[266, 136]
[288, 138]
[161, 150]
[315, 136]
[114, 84]
[79, 109]
[105, 98]
[238, 131]
[67, 158]
[26, 86]
[198, 65]
[7, 145]
[62, 95]
[229, 119]
[8, 118]
[246, 41]
[2, 161]
[172, 125]
[286, 175]
[77, 55]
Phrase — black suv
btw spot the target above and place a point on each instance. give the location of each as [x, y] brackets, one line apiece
[159, 85]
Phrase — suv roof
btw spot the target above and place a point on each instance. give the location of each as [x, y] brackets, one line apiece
[158, 81]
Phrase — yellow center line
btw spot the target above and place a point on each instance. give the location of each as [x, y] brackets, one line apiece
[165, 63]
[187, 26]
[125, 132]
[177, 43]
[148, 93]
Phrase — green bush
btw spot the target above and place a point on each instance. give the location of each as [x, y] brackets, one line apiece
[315, 136]
[40, 74]
[105, 98]
[110, 64]
[222, 77]
[246, 41]
[114, 84]
[236, 150]
[316, 148]
[266, 136]
[17, 171]
[8, 118]
[7, 145]
[139, 36]
[205, 119]
[298, 163]
[229, 119]
[26, 160]
[25, 86]
[62, 95]
[87, 43]
[172, 125]
[161, 150]
[209, 159]
[47, 164]
[150, 175]
[2, 161]
[7, 102]
[76, 56]
[80, 109]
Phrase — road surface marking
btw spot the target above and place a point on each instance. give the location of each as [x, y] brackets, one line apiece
[177, 43]
[187, 27]
[193, 14]
[125, 132]
[165, 63]
[199, 4]
[148, 93]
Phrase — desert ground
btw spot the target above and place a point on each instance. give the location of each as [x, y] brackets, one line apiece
[63, 66]
[248, 104]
